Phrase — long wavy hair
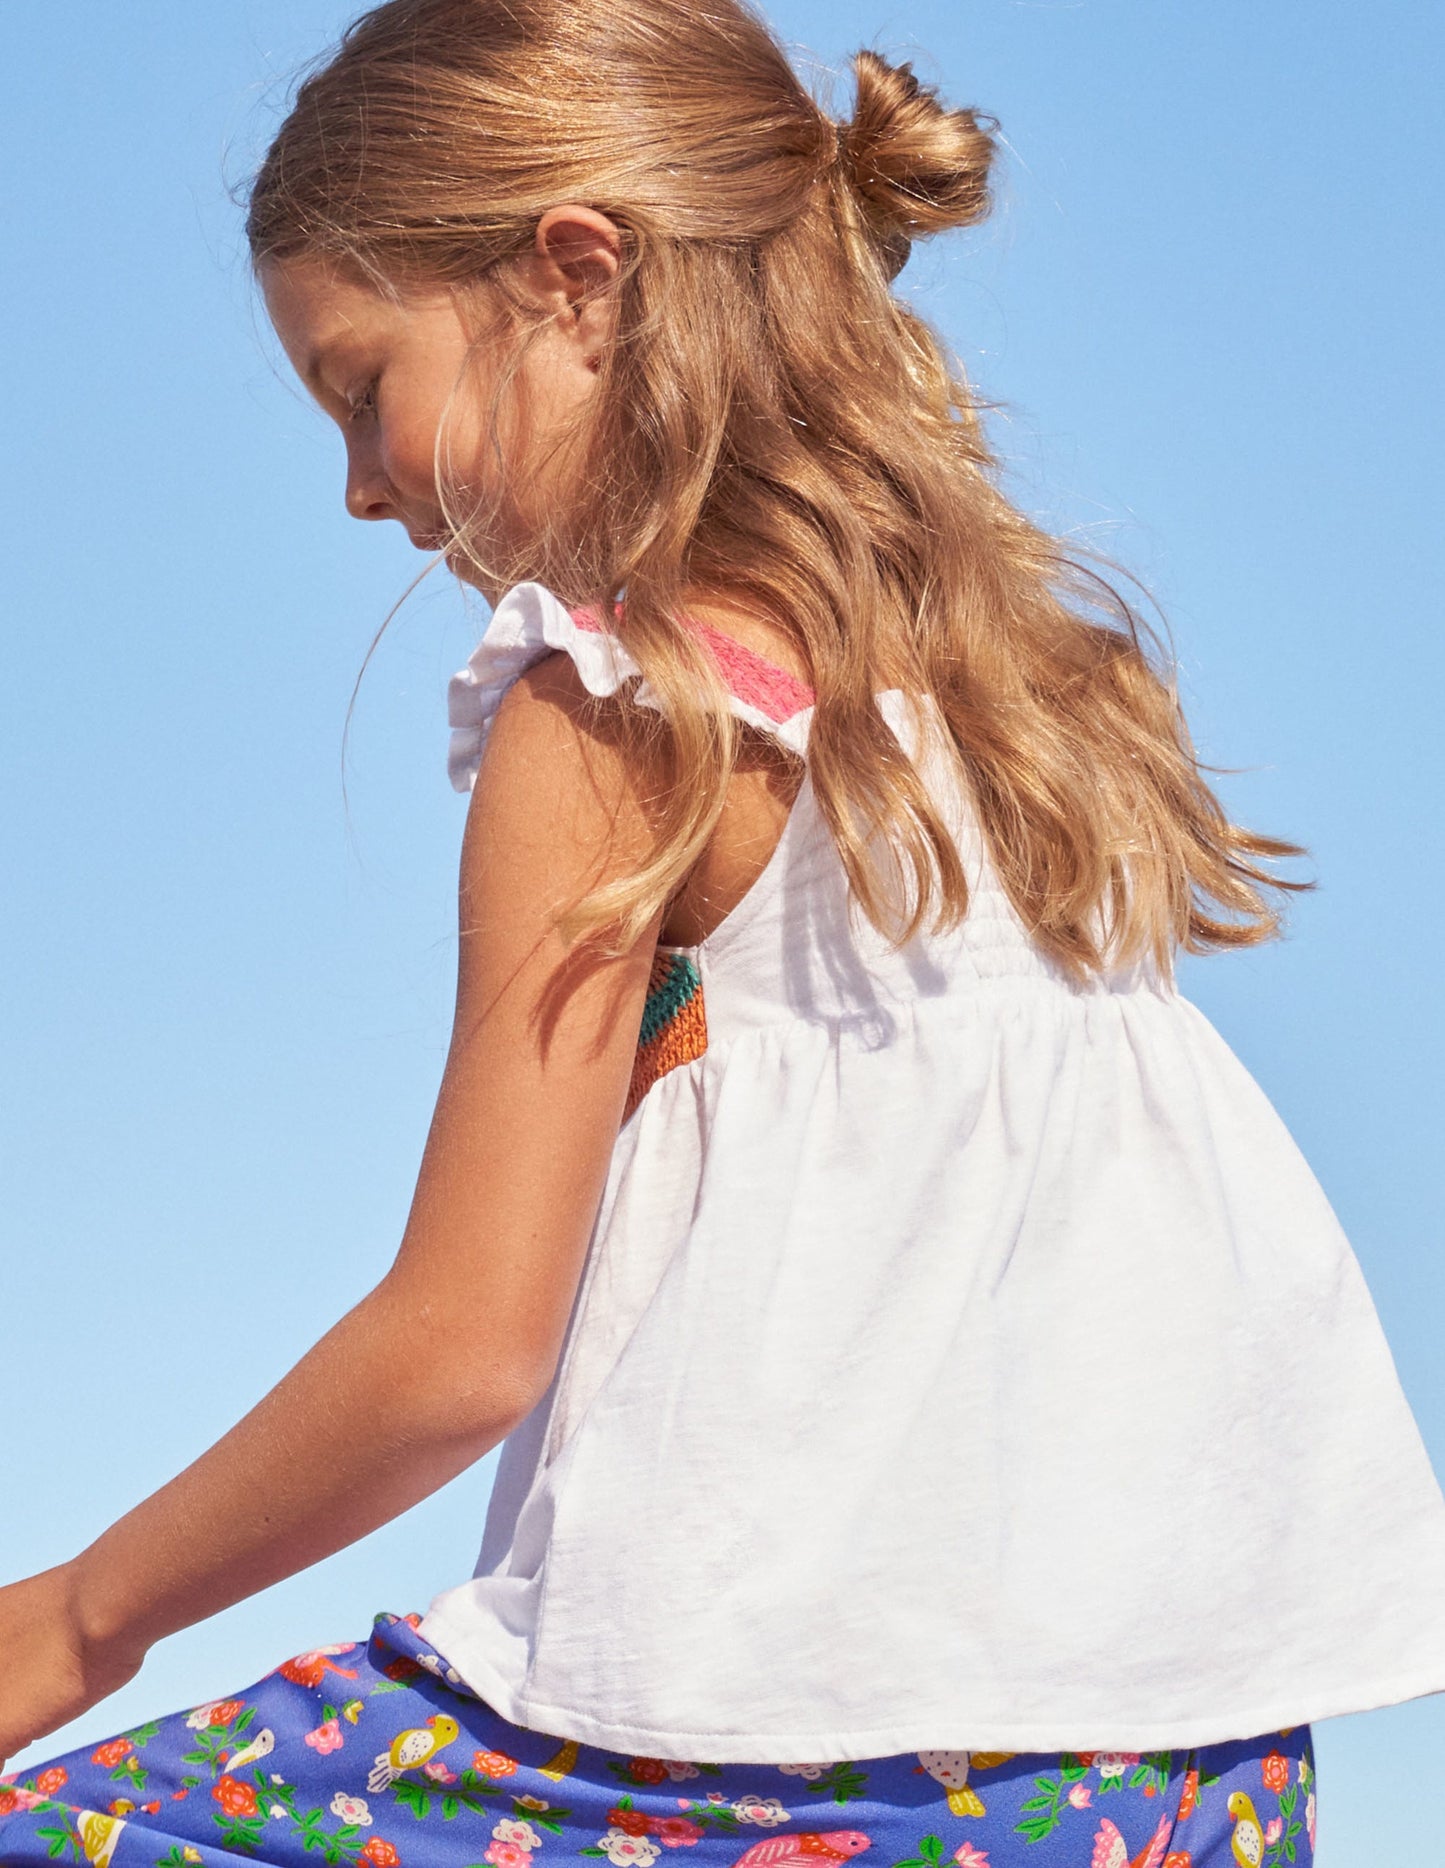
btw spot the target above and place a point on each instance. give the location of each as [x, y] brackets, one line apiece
[774, 420]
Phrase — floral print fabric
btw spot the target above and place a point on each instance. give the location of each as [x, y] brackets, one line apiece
[377, 1756]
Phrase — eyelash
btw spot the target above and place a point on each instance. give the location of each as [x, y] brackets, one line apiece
[364, 402]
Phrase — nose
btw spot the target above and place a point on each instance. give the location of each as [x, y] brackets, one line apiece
[368, 491]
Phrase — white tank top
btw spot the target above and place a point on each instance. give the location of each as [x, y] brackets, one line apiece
[963, 1359]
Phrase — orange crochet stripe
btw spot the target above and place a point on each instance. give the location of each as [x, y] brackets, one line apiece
[674, 1024]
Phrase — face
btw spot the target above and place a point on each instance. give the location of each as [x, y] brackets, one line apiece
[394, 375]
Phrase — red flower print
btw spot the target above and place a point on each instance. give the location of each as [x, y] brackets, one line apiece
[224, 1711]
[1180, 1858]
[675, 1832]
[646, 1770]
[151, 1809]
[1188, 1796]
[380, 1854]
[630, 1822]
[402, 1668]
[111, 1754]
[1276, 1772]
[494, 1763]
[413, 1620]
[234, 1797]
[50, 1781]
[8, 1800]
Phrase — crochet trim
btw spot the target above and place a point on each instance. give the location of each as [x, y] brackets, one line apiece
[674, 1023]
[529, 622]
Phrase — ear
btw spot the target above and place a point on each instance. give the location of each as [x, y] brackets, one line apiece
[578, 251]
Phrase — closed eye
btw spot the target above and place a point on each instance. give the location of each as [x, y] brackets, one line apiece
[364, 403]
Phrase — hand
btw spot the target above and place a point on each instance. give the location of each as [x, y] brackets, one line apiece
[51, 1672]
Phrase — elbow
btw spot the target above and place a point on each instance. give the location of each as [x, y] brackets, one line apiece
[464, 1389]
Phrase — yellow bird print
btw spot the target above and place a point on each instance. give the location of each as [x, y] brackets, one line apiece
[98, 1836]
[416, 1746]
[1248, 1837]
[951, 1768]
[558, 1765]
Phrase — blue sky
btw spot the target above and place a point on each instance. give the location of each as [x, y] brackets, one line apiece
[1207, 308]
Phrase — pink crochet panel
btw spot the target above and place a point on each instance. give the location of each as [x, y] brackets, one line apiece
[750, 676]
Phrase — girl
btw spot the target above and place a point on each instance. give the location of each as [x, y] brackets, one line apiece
[830, 1200]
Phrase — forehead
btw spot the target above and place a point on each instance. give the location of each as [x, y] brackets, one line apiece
[315, 305]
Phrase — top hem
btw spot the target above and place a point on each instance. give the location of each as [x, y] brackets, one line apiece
[823, 1745]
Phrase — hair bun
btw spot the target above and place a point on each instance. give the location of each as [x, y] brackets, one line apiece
[916, 166]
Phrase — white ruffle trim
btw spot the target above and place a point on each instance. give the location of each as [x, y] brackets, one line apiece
[529, 623]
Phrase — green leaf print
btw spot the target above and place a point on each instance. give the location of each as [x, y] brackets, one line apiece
[1045, 1808]
[173, 1858]
[240, 1833]
[1151, 1775]
[1284, 1848]
[842, 1782]
[57, 1841]
[411, 1797]
[553, 1818]
[130, 1771]
[141, 1735]
[930, 1851]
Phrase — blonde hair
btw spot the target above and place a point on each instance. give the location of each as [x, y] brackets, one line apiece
[774, 420]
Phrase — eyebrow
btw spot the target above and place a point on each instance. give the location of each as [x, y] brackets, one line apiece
[311, 370]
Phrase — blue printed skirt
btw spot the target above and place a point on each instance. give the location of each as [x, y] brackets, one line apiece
[378, 1755]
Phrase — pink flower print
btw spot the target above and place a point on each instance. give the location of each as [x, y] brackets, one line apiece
[675, 1832]
[507, 1855]
[326, 1737]
[967, 1856]
[1081, 1796]
[1310, 1818]
[1273, 1831]
[439, 1772]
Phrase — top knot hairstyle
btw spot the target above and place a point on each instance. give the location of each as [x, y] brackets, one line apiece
[774, 421]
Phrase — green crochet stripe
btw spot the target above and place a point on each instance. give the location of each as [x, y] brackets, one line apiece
[667, 998]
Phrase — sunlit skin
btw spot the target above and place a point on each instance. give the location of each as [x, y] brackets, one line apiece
[392, 371]
[542, 1045]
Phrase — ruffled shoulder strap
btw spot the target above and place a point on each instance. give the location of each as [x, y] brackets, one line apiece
[529, 623]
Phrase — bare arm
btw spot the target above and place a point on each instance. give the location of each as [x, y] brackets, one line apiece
[461, 1336]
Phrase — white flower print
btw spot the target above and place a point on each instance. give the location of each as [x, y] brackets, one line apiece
[803, 1770]
[763, 1810]
[351, 1810]
[678, 1769]
[198, 1720]
[523, 1834]
[276, 1811]
[1114, 1763]
[625, 1850]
